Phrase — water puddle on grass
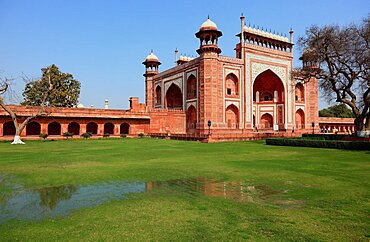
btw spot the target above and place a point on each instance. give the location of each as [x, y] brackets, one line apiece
[50, 202]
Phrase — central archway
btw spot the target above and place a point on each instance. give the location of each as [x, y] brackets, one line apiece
[174, 97]
[268, 87]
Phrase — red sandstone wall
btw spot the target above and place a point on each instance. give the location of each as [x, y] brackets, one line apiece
[138, 119]
[312, 105]
[210, 92]
[167, 121]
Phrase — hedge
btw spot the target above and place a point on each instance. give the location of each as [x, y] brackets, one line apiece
[348, 145]
[325, 136]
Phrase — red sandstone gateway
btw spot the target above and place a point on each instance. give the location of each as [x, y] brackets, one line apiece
[245, 97]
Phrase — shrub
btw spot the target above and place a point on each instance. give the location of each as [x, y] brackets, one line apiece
[106, 135]
[141, 135]
[333, 144]
[68, 135]
[86, 135]
[44, 136]
[123, 135]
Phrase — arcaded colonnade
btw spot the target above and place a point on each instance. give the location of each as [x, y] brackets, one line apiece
[56, 126]
[115, 122]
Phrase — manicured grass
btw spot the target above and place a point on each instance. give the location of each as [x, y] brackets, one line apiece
[326, 192]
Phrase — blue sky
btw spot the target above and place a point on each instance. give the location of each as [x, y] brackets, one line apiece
[103, 43]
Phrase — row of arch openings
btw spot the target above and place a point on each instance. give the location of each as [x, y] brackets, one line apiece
[54, 128]
[174, 95]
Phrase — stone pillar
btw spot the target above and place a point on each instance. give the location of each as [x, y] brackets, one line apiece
[64, 127]
[1, 129]
[44, 128]
[275, 96]
[82, 128]
[100, 129]
[116, 130]
[257, 96]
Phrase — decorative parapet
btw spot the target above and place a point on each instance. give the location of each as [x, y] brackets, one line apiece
[230, 59]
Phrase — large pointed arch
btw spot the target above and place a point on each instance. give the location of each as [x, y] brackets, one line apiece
[174, 97]
[268, 87]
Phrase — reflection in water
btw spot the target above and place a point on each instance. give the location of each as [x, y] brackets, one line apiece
[50, 196]
[60, 201]
[233, 190]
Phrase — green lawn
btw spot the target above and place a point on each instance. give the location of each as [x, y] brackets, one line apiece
[308, 194]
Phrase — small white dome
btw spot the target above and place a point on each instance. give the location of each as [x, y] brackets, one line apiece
[208, 25]
[151, 57]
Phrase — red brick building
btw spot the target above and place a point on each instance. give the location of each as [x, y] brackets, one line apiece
[241, 97]
[249, 92]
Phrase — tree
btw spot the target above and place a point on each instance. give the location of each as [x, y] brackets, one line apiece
[64, 94]
[4, 87]
[54, 88]
[337, 111]
[340, 59]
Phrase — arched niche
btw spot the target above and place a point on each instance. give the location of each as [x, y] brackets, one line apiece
[231, 85]
[232, 116]
[266, 121]
[191, 117]
[300, 119]
[191, 87]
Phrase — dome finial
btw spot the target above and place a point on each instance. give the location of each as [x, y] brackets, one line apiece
[208, 16]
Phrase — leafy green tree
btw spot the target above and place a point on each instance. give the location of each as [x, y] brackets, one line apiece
[338, 111]
[64, 94]
[339, 57]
